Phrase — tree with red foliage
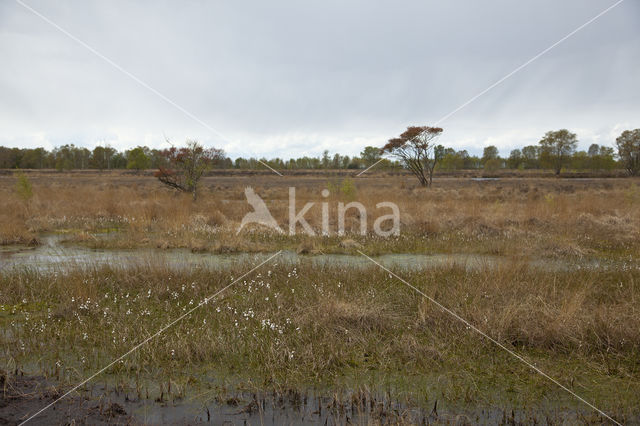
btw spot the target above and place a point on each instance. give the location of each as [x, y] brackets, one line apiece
[417, 151]
[185, 166]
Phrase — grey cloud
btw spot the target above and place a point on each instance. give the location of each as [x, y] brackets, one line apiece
[287, 77]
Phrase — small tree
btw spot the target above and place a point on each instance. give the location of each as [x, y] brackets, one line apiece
[629, 150]
[23, 187]
[101, 157]
[515, 159]
[138, 159]
[489, 153]
[370, 155]
[326, 160]
[187, 165]
[530, 156]
[557, 148]
[417, 151]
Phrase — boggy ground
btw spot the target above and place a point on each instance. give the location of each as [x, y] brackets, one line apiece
[338, 331]
[534, 217]
[292, 329]
[23, 396]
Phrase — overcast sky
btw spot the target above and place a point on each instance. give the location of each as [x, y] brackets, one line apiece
[288, 78]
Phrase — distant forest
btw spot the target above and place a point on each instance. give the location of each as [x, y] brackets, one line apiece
[71, 157]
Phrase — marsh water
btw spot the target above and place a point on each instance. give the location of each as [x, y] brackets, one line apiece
[98, 404]
[53, 254]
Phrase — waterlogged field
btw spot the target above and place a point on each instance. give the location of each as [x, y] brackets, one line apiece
[554, 279]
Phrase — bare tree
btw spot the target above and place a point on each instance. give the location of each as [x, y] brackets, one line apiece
[417, 151]
[629, 150]
[187, 165]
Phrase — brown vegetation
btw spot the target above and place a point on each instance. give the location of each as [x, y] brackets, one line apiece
[530, 217]
[290, 326]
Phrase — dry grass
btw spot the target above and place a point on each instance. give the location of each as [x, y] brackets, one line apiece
[530, 217]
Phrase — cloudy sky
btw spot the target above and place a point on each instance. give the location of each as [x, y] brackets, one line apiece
[288, 78]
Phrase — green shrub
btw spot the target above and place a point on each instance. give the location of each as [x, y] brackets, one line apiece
[23, 187]
[345, 189]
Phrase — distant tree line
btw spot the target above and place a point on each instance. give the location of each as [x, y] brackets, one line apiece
[597, 157]
[557, 150]
[71, 157]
